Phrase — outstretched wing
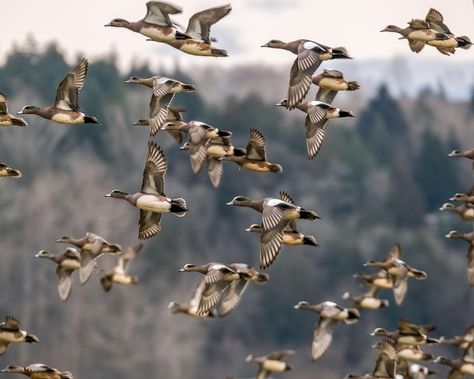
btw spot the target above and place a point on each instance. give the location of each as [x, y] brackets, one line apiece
[155, 170]
[67, 95]
[200, 23]
[158, 12]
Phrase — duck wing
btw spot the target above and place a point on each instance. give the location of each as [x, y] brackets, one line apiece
[215, 170]
[232, 295]
[158, 12]
[199, 25]
[395, 252]
[3, 346]
[154, 171]
[416, 45]
[128, 255]
[314, 135]
[10, 324]
[300, 82]
[159, 112]
[256, 146]
[322, 337]
[271, 239]
[436, 21]
[149, 224]
[67, 95]
[326, 95]
[64, 282]
[210, 296]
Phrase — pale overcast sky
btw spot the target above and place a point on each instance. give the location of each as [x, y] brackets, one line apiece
[78, 26]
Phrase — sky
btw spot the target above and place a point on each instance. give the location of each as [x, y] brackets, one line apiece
[79, 27]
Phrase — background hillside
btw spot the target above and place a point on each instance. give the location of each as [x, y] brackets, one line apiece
[377, 181]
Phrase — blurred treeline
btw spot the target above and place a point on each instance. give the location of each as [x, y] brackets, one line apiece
[377, 181]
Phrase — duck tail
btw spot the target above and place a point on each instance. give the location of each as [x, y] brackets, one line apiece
[91, 120]
[308, 215]
[180, 35]
[310, 240]
[262, 278]
[464, 42]
[66, 375]
[353, 85]
[219, 53]
[340, 53]
[178, 207]
[275, 168]
[14, 173]
[384, 304]
[353, 315]
[31, 338]
[189, 87]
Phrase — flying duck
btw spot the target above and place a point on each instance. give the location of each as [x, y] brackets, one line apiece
[399, 272]
[329, 315]
[368, 300]
[276, 214]
[66, 108]
[164, 90]
[151, 199]
[119, 275]
[191, 308]
[156, 24]
[269, 363]
[466, 212]
[310, 54]
[330, 82]
[174, 116]
[469, 238]
[317, 116]
[254, 157]
[417, 35]
[39, 371]
[10, 332]
[7, 119]
[67, 263]
[91, 246]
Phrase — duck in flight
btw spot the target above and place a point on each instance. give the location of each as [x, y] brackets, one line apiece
[65, 109]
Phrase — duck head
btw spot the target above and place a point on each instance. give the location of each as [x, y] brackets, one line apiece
[118, 23]
[119, 194]
[29, 109]
[275, 44]
[239, 200]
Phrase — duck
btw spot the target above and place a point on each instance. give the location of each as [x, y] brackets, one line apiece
[272, 362]
[399, 272]
[417, 35]
[151, 199]
[225, 283]
[8, 171]
[469, 238]
[199, 27]
[66, 108]
[276, 214]
[463, 342]
[459, 367]
[119, 274]
[310, 54]
[408, 334]
[204, 141]
[465, 212]
[412, 353]
[174, 116]
[39, 371]
[317, 116]
[192, 306]
[156, 24]
[380, 279]
[7, 119]
[330, 82]
[67, 263]
[368, 300]
[291, 236]
[254, 157]
[329, 315]
[386, 364]
[467, 198]
[214, 165]
[91, 246]
[164, 90]
[435, 21]
[10, 332]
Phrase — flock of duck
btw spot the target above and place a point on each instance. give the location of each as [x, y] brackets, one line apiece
[220, 289]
